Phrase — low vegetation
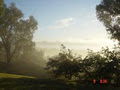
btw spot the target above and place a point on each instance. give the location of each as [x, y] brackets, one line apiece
[96, 65]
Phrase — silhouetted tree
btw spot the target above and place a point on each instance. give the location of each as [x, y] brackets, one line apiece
[108, 12]
[104, 64]
[110, 70]
[16, 33]
[90, 64]
[65, 64]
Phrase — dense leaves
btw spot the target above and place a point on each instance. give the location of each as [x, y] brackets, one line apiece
[96, 65]
[108, 12]
[16, 33]
[65, 64]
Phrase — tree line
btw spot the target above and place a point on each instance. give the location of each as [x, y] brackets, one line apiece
[104, 64]
[96, 65]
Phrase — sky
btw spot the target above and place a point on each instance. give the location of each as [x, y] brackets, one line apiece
[65, 20]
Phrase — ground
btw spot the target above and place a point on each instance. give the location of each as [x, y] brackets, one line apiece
[21, 82]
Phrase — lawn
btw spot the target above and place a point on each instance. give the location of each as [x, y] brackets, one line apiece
[5, 75]
[21, 82]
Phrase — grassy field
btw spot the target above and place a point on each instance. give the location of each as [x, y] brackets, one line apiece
[20, 82]
[4, 75]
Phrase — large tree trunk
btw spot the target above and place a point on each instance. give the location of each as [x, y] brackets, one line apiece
[8, 60]
[8, 53]
[8, 57]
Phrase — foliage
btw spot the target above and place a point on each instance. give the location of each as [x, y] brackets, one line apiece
[108, 12]
[16, 33]
[96, 65]
[65, 64]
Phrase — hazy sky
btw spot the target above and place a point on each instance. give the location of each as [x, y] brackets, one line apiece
[65, 20]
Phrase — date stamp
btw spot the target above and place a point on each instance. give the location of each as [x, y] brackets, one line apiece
[101, 81]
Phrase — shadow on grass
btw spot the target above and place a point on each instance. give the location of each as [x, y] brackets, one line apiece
[48, 84]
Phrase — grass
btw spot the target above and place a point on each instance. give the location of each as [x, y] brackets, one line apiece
[21, 82]
[5, 75]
